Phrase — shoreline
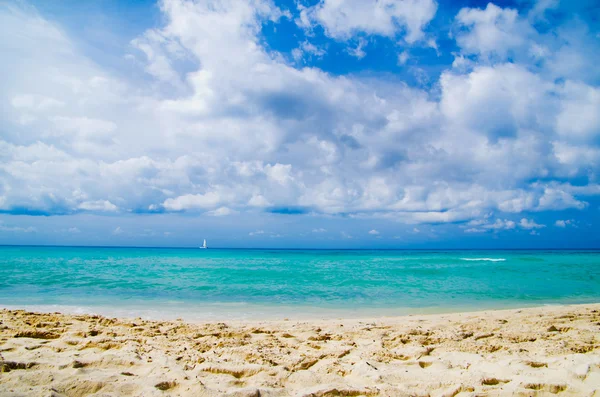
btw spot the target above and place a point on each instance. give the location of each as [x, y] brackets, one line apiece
[530, 352]
[242, 312]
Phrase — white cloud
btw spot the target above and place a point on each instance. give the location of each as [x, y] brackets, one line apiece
[192, 201]
[256, 233]
[98, 205]
[541, 6]
[94, 129]
[307, 50]
[497, 35]
[530, 224]
[222, 211]
[564, 223]
[35, 102]
[73, 230]
[258, 201]
[319, 230]
[500, 224]
[483, 225]
[280, 173]
[403, 58]
[161, 52]
[373, 232]
[489, 100]
[343, 19]
[358, 51]
[297, 54]
[117, 230]
[558, 199]
[239, 127]
[579, 117]
[491, 32]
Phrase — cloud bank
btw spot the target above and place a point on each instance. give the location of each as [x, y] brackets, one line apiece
[224, 124]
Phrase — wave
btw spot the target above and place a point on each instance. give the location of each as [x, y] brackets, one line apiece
[484, 259]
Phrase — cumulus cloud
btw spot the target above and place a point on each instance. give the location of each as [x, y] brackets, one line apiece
[496, 35]
[564, 223]
[403, 58]
[307, 50]
[343, 19]
[484, 225]
[579, 117]
[530, 224]
[192, 201]
[491, 32]
[222, 211]
[373, 232]
[500, 224]
[98, 205]
[239, 127]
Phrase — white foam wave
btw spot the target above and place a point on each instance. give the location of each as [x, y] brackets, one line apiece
[484, 259]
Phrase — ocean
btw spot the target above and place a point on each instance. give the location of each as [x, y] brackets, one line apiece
[219, 284]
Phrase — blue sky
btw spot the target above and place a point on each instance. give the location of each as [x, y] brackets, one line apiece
[321, 123]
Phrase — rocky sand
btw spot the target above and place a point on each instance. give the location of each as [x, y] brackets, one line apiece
[551, 350]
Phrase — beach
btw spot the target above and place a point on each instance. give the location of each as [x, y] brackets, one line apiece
[550, 350]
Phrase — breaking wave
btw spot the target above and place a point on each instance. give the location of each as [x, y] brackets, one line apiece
[484, 259]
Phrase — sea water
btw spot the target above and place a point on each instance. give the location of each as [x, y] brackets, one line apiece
[216, 284]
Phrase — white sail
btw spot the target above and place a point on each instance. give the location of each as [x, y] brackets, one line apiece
[204, 245]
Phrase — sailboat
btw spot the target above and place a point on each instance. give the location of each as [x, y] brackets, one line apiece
[203, 245]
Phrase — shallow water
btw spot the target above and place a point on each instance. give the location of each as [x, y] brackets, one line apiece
[219, 283]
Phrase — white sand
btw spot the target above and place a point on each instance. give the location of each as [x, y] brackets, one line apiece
[529, 352]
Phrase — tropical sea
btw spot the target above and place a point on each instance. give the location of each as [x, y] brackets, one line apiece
[213, 284]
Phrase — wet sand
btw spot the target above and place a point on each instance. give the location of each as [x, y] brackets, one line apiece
[530, 352]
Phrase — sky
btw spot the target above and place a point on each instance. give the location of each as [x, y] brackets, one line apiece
[300, 123]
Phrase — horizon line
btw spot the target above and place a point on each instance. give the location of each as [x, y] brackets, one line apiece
[299, 249]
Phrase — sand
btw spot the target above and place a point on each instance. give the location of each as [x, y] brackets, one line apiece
[530, 352]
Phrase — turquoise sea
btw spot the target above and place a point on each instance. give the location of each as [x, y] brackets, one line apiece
[214, 284]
